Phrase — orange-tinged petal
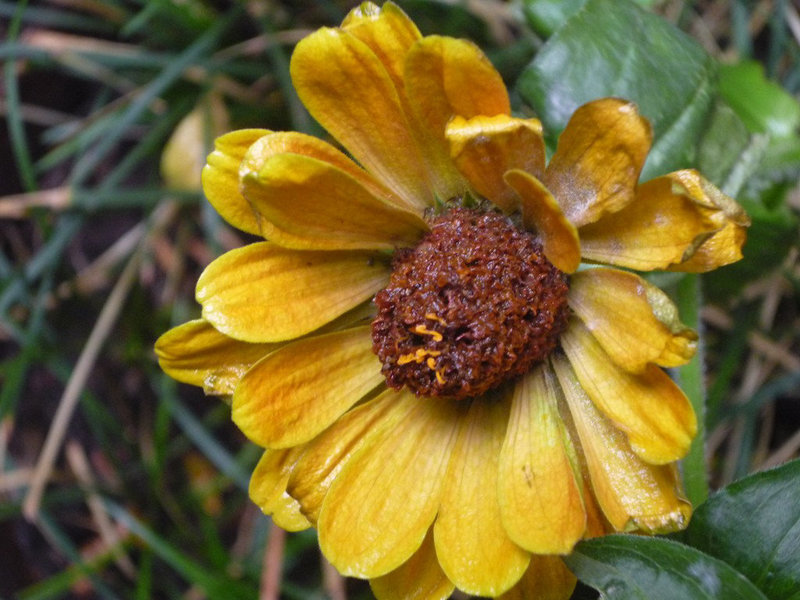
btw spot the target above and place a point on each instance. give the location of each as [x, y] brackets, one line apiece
[725, 245]
[664, 226]
[648, 407]
[547, 578]
[540, 497]
[632, 493]
[268, 481]
[221, 179]
[474, 549]
[446, 77]
[419, 578]
[265, 293]
[347, 88]
[600, 154]
[309, 203]
[484, 148]
[379, 508]
[197, 354]
[634, 321]
[287, 515]
[296, 392]
[325, 456]
[541, 212]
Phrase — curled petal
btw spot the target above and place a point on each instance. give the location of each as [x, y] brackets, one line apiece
[197, 354]
[648, 407]
[672, 218]
[484, 148]
[541, 213]
[269, 478]
[347, 88]
[379, 508]
[221, 179]
[547, 578]
[632, 493]
[540, 496]
[307, 203]
[265, 293]
[468, 529]
[419, 578]
[634, 321]
[287, 515]
[447, 77]
[600, 155]
[297, 391]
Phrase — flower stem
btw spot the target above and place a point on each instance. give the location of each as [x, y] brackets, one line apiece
[691, 378]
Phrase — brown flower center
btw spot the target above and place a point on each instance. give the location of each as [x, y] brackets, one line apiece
[473, 305]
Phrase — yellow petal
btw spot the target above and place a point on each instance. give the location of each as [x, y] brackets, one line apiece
[390, 34]
[197, 354]
[648, 407]
[347, 88]
[600, 154]
[474, 549]
[297, 391]
[664, 226]
[325, 456]
[446, 77]
[540, 497]
[725, 245]
[286, 514]
[635, 322]
[632, 493]
[547, 578]
[484, 148]
[268, 481]
[221, 179]
[309, 203]
[541, 212]
[379, 508]
[419, 578]
[265, 293]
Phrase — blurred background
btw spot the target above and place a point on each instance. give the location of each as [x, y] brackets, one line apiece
[116, 482]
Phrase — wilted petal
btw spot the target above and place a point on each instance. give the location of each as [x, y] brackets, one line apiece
[648, 407]
[347, 88]
[600, 154]
[671, 218]
[220, 179]
[419, 578]
[540, 496]
[379, 508]
[297, 391]
[472, 545]
[308, 203]
[287, 515]
[484, 148]
[632, 493]
[197, 354]
[547, 578]
[265, 293]
[634, 321]
[541, 213]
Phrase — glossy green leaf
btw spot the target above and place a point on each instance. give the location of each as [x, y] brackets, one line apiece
[763, 105]
[615, 48]
[754, 526]
[546, 16]
[626, 567]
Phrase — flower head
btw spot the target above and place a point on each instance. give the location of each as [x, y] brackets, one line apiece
[440, 388]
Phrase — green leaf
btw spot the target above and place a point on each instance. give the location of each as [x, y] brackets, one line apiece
[763, 105]
[546, 16]
[624, 567]
[615, 48]
[754, 525]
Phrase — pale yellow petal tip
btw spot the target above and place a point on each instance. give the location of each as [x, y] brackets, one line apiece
[663, 523]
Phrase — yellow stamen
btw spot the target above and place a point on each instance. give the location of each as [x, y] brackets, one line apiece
[418, 356]
[422, 330]
[435, 317]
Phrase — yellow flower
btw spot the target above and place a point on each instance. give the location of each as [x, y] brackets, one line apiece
[440, 389]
